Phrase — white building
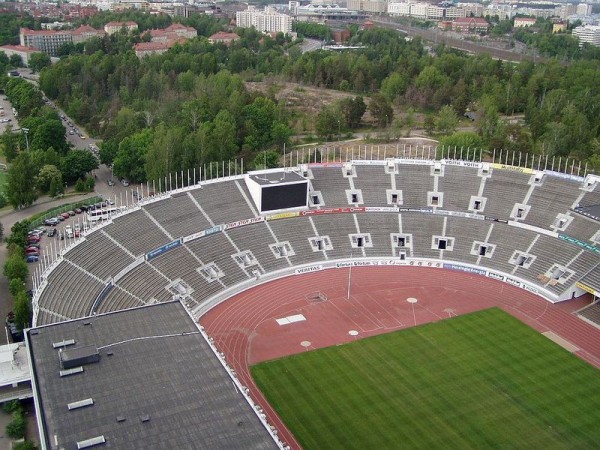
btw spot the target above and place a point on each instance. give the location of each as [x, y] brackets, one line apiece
[425, 11]
[588, 33]
[267, 20]
[584, 9]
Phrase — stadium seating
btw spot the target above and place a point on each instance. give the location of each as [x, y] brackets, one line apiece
[203, 266]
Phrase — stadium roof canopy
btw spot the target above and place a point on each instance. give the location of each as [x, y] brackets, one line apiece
[138, 379]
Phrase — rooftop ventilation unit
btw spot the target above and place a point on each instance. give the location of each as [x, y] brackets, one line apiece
[91, 442]
[64, 343]
[80, 356]
[80, 404]
[73, 371]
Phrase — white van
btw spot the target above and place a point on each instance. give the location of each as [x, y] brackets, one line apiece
[69, 231]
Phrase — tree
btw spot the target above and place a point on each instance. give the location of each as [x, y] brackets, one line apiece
[464, 139]
[129, 162]
[76, 164]
[79, 185]
[353, 110]
[37, 61]
[18, 235]
[394, 86]
[409, 121]
[328, 123]
[16, 60]
[10, 144]
[22, 307]
[15, 286]
[267, 159]
[19, 188]
[381, 110]
[446, 120]
[15, 268]
[46, 176]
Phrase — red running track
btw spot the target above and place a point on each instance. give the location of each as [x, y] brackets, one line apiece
[245, 330]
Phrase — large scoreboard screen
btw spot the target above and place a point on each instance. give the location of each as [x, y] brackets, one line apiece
[275, 190]
[284, 196]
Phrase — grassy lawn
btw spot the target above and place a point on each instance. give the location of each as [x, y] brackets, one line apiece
[481, 380]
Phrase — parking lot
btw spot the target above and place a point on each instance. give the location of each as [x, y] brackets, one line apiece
[7, 118]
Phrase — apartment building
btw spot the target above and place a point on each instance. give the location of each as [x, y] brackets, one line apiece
[267, 20]
[588, 34]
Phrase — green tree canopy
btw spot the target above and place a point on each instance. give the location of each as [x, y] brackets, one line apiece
[20, 190]
[76, 164]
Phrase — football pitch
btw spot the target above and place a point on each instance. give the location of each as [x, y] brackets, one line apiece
[480, 380]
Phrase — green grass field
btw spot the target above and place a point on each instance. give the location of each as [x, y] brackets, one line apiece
[483, 380]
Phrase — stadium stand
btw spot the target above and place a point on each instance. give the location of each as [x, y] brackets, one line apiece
[462, 183]
[373, 183]
[106, 260]
[415, 182]
[178, 215]
[502, 190]
[220, 251]
[223, 201]
[136, 232]
[332, 183]
[552, 197]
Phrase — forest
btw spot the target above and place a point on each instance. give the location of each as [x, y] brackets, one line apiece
[191, 105]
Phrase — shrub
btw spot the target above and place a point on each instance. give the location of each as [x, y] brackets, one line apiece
[16, 427]
[11, 407]
[80, 185]
[25, 445]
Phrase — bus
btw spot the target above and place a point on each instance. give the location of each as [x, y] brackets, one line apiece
[102, 213]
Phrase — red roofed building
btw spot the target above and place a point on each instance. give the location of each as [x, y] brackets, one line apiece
[222, 37]
[23, 52]
[155, 48]
[470, 25]
[181, 31]
[173, 32]
[85, 32]
[113, 27]
[47, 41]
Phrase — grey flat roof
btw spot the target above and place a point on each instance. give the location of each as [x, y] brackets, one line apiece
[161, 368]
[271, 178]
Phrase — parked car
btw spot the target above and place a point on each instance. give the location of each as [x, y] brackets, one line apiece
[66, 215]
[32, 251]
[124, 182]
[69, 231]
[53, 221]
[84, 208]
[71, 213]
[33, 244]
[110, 182]
[52, 232]
[78, 211]
[60, 217]
[32, 258]
[33, 238]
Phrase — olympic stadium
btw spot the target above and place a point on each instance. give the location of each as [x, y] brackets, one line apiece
[245, 265]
